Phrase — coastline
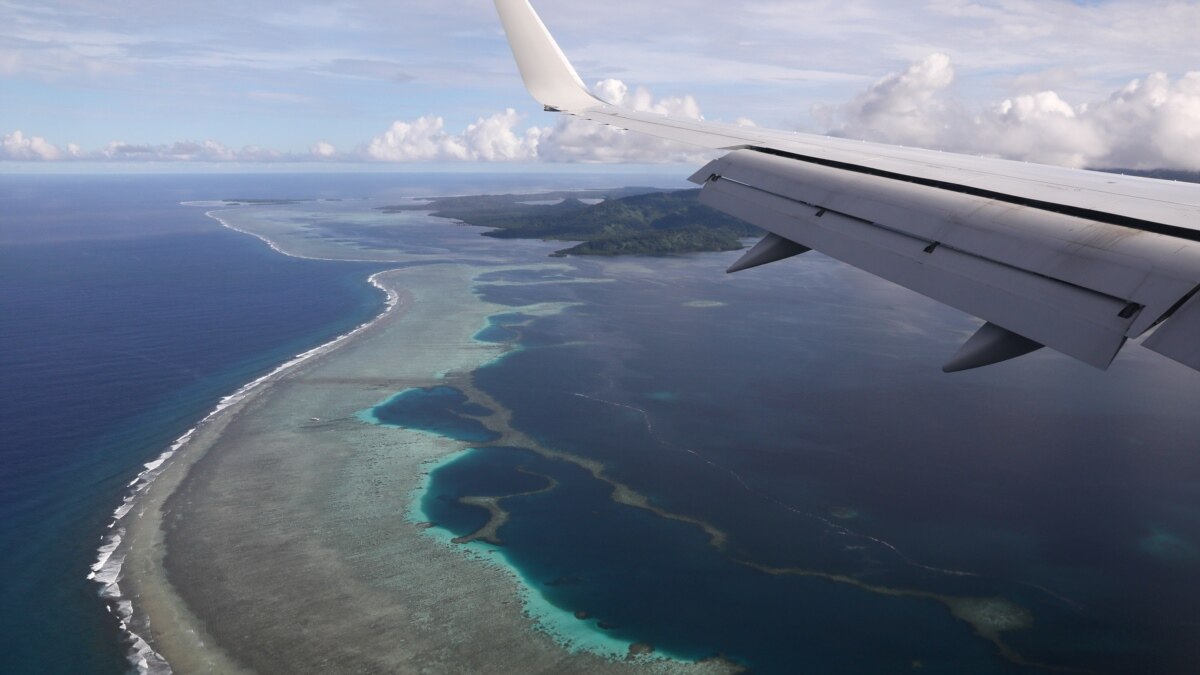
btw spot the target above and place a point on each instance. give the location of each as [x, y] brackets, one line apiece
[148, 592]
[323, 498]
[340, 506]
[147, 564]
[144, 498]
[275, 246]
[142, 494]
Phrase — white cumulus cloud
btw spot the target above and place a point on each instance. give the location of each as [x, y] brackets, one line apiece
[575, 140]
[493, 138]
[184, 151]
[1153, 122]
[18, 146]
[323, 150]
[903, 107]
[499, 138]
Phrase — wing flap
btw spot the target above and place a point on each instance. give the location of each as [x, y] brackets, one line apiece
[1140, 268]
[1073, 320]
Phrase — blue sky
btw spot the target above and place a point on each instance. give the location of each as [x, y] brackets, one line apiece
[401, 81]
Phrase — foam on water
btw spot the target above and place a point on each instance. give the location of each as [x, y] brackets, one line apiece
[107, 568]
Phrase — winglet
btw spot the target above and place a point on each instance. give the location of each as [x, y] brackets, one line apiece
[547, 73]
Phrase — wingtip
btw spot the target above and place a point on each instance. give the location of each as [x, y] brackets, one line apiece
[546, 71]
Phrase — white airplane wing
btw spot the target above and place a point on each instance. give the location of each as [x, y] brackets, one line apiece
[1078, 261]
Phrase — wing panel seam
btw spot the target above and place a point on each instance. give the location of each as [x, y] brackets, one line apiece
[936, 244]
[1076, 211]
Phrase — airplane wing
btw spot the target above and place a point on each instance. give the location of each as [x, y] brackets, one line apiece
[1077, 261]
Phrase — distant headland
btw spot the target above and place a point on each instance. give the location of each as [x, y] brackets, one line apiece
[624, 221]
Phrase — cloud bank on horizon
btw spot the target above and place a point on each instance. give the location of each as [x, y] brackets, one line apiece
[1084, 84]
[1152, 122]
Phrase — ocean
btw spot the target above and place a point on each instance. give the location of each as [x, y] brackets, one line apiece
[878, 515]
[124, 317]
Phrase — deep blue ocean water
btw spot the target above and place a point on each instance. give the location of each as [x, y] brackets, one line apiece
[124, 317]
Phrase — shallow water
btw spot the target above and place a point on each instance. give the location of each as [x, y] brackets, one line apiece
[798, 409]
[802, 412]
[124, 318]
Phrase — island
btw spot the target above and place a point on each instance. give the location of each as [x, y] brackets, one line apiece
[626, 221]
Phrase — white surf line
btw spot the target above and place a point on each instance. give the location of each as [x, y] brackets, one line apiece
[107, 568]
[276, 248]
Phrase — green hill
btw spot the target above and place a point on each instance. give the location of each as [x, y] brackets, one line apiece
[631, 221]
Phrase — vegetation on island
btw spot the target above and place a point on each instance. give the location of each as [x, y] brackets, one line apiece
[629, 221]
[608, 222]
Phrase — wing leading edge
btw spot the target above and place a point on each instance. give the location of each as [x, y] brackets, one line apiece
[1077, 261]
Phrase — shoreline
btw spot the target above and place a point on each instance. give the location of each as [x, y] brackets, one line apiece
[299, 479]
[109, 566]
[135, 551]
[275, 247]
[169, 630]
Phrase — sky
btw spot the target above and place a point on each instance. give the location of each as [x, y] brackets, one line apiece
[372, 82]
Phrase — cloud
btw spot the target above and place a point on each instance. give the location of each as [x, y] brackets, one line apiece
[318, 17]
[1153, 122]
[323, 150]
[497, 138]
[18, 146]
[190, 65]
[374, 69]
[280, 97]
[10, 61]
[492, 138]
[576, 140]
[184, 151]
[902, 107]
